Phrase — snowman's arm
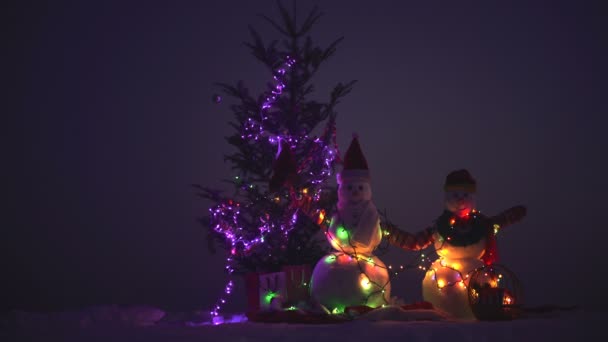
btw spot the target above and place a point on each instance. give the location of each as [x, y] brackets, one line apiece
[509, 216]
[406, 240]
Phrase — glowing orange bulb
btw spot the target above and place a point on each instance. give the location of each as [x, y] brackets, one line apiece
[305, 191]
[321, 216]
[440, 283]
[452, 221]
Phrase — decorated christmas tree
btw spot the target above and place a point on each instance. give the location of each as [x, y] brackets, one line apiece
[285, 153]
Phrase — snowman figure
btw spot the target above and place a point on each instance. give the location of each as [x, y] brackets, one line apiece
[464, 240]
[352, 275]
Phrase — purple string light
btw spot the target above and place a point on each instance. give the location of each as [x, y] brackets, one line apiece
[225, 216]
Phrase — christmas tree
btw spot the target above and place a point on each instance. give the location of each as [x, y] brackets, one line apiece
[285, 154]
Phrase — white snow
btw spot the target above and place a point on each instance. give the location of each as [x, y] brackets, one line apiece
[562, 326]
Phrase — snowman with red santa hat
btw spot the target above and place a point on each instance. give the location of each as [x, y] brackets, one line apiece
[352, 275]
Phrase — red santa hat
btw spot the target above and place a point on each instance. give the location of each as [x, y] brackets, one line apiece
[355, 164]
[460, 180]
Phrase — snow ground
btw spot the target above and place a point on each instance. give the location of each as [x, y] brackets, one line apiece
[562, 326]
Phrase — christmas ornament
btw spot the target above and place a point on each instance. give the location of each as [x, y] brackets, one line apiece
[352, 276]
[495, 293]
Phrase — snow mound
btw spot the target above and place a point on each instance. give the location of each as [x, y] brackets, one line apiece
[397, 313]
[104, 315]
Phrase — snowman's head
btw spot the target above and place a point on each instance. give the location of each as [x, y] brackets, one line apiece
[460, 189]
[460, 202]
[354, 190]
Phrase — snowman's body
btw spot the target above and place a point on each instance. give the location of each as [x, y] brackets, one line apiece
[352, 275]
[446, 282]
[341, 280]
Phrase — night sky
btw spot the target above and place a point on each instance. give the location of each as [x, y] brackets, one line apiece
[108, 120]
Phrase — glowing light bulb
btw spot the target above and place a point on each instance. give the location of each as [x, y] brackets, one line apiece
[440, 283]
[269, 296]
[342, 233]
[321, 216]
[365, 283]
[496, 228]
[337, 310]
[330, 259]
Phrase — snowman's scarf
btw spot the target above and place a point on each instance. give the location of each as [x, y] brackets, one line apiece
[361, 218]
[351, 213]
[468, 231]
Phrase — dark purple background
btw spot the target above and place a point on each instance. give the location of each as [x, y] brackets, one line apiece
[110, 119]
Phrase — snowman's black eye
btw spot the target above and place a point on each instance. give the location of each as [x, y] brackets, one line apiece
[350, 187]
[360, 187]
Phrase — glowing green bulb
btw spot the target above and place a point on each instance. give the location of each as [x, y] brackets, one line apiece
[330, 259]
[342, 233]
[337, 310]
[269, 296]
[291, 308]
